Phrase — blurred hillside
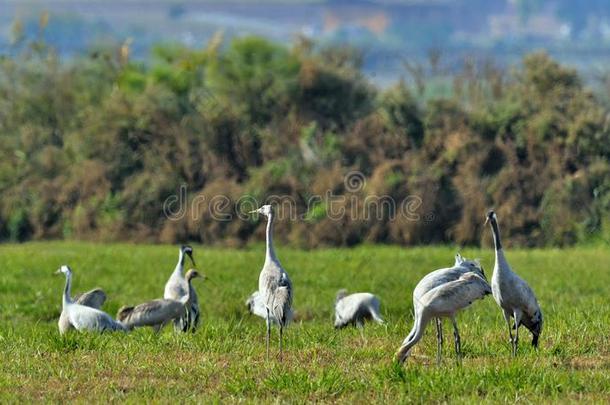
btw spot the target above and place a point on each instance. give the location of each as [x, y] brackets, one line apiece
[93, 147]
[389, 31]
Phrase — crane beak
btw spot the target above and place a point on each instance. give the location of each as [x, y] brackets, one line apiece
[486, 220]
[253, 212]
[58, 271]
[190, 255]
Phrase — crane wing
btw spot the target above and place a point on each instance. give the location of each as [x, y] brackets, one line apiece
[94, 298]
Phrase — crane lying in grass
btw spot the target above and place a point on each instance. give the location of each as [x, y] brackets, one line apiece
[355, 308]
[94, 299]
[156, 313]
[81, 317]
[444, 301]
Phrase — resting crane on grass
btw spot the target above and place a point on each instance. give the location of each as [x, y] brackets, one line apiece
[94, 299]
[439, 277]
[354, 309]
[513, 294]
[177, 287]
[81, 317]
[156, 313]
[274, 284]
[444, 301]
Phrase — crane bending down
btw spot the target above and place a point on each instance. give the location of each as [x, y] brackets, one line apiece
[513, 294]
[439, 277]
[177, 287]
[444, 301]
[156, 313]
[354, 309]
[83, 317]
[274, 284]
[94, 299]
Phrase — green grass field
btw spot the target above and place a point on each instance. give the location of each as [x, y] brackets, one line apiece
[225, 358]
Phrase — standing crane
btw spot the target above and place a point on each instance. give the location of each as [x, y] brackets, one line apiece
[444, 301]
[156, 313]
[177, 287]
[83, 317]
[439, 277]
[513, 294]
[274, 284]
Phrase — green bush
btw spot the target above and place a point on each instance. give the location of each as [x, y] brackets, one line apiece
[91, 148]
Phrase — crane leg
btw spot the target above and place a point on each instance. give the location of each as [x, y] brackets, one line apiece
[439, 338]
[510, 330]
[517, 315]
[458, 342]
[268, 333]
[281, 338]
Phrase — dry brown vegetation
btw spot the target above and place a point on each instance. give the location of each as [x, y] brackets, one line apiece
[91, 148]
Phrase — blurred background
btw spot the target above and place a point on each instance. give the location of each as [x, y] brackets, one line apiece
[108, 107]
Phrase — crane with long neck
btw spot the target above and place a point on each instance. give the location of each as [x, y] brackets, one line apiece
[512, 293]
[177, 287]
[82, 317]
[274, 285]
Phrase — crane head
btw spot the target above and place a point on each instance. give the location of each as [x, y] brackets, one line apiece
[65, 269]
[491, 214]
[266, 210]
[186, 249]
[192, 273]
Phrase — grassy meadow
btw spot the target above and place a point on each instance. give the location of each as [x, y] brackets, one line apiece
[225, 358]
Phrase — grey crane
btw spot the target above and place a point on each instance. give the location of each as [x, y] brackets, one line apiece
[94, 299]
[156, 313]
[512, 293]
[192, 306]
[354, 309]
[177, 287]
[82, 317]
[444, 301]
[439, 277]
[274, 284]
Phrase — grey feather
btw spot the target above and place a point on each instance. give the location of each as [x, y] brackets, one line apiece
[354, 309]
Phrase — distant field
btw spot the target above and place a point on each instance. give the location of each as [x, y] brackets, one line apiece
[225, 359]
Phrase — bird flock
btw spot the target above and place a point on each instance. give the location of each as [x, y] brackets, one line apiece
[440, 294]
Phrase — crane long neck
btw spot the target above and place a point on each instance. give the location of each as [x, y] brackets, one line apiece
[496, 233]
[66, 298]
[270, 252]
[419, 326]
[180, 265]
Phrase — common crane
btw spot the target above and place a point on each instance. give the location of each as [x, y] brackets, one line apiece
[354, 309]
[94, 299]
[439, 277]
[156, 313]
[274, 284]
[177, 287]
[512, 293]
[83, 317]
[444, 301]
